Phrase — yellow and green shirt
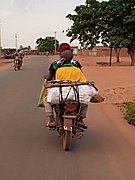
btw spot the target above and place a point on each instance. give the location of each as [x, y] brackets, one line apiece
[71, 73]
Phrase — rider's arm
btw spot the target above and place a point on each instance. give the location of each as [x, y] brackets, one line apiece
[48, 76]
[78, 65]
[51, 74]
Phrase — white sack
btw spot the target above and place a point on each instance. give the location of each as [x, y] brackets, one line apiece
[86, 92]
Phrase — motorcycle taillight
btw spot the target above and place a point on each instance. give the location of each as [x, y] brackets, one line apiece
[70, 108]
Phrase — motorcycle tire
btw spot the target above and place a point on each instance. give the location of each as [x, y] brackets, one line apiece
[67, 138]
[18, 67]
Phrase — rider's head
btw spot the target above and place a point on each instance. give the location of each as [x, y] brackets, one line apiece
[67, 55]
[63, 47]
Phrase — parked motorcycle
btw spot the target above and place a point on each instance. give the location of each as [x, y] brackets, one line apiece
[67, 112]
[17, 63]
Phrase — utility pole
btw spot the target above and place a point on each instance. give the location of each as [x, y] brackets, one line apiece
[16, 41]
[110, 61]
[55, 41]
[0, 38]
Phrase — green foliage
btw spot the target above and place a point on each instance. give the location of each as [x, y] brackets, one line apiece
[86, 26]
[120, 23]
[102, 63]
[25, 48]
[47, 44]
[130, 114]
[112, 21]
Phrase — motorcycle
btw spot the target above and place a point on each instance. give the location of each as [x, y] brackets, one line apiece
[67, 112]
[21, 58]
[17, 63]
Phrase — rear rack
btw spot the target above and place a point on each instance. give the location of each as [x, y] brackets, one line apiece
[65, 84]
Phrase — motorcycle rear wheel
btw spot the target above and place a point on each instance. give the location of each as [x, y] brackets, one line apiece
[67, 138]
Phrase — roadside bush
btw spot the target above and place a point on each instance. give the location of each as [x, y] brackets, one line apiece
[130, 114]
[103, 63]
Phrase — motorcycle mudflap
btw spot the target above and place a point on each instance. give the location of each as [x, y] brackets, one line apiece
[68, 122]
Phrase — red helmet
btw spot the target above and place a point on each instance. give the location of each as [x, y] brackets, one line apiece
[63, 47]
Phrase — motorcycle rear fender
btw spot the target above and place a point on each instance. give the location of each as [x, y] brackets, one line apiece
[17, 62]
[70, 108]
[66, 128]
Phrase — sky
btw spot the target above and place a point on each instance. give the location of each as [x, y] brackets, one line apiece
[32, 19]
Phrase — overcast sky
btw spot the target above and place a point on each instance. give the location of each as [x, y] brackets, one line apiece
[31, 19]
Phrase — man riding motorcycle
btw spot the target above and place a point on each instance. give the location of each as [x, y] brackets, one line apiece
[58, 63]
[67, 72]
[19, 54]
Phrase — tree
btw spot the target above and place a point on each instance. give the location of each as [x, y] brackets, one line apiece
[21, 47]
[29, 47]
[111, 21]
[47, 44]
[120, 26]
[86, 25]
[25, 48]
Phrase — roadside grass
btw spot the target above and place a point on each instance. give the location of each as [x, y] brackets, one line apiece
[103, 63]
[130, 113]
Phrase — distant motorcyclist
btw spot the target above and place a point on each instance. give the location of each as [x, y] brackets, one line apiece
[19, 54]
[16, 54]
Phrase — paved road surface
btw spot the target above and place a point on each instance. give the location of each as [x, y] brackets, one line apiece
[28, 151]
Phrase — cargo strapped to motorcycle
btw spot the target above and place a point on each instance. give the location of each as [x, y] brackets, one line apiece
[76, 96]
[75, 90]
[73, 87]
[71, 94]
